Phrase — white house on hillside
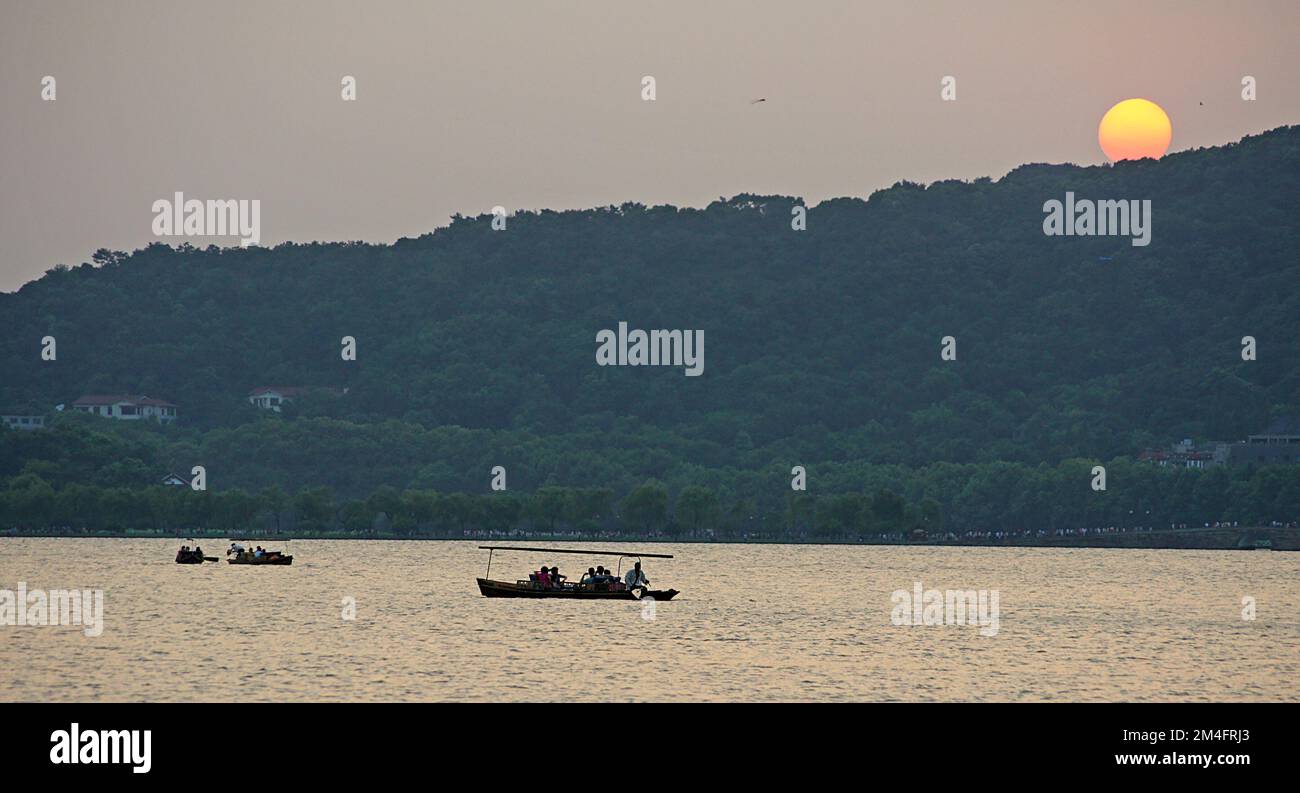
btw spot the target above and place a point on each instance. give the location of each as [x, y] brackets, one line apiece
[126, 407]
[22, 422]
[271, 397]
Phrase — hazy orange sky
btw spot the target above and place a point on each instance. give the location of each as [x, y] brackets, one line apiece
[463, 106]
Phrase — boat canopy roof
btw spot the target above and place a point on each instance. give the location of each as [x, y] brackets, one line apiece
[571, 550]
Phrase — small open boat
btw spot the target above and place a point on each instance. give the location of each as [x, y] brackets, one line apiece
[193, 557]
[605, 590]
[526, 589]
[267, 557]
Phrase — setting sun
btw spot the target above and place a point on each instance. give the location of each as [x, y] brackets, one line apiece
[1133, 129]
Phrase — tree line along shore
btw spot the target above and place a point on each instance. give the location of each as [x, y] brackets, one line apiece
[1172, 508]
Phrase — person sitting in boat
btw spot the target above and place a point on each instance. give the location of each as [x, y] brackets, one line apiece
[588, 576]
[198, 551]
[544, 577]
[636, 578]
[557, 580]
[236, 549]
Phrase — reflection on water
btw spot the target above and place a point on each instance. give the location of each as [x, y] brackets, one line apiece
[753, 622]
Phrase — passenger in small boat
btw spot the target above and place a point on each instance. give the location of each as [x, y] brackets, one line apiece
[198, 551]
[236, 549]
[557, 580]
[588, 576]
[544, 577]
[635, 577]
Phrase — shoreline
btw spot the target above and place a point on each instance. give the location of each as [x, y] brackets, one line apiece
[1199, 539]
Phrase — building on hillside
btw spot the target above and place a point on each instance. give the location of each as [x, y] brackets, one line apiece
[273, 397]
[1187, 454]
[176, 480]
[127, 407]
[19, 421]
[1280, 443]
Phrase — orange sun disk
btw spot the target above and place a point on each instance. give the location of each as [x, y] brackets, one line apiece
[1133, 129]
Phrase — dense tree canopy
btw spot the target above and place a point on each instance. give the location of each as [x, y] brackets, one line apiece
[476, 348]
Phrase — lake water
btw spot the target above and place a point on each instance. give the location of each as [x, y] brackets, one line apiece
[753, 622]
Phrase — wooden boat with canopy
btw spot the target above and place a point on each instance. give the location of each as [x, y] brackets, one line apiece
[611, 589]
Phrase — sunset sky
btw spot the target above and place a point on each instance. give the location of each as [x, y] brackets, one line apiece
[528, 105]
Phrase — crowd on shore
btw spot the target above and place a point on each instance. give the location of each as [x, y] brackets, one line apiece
[795, 536]
[1001, 535]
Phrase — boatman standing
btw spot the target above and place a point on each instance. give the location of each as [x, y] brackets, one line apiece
[635, 577]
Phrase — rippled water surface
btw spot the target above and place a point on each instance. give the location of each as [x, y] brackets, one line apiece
[753, 622]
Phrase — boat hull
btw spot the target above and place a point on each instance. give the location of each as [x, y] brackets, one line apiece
[277, 560]
[505, 589]
[190, 557]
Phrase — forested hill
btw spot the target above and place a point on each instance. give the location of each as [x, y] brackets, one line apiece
[821, 345]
